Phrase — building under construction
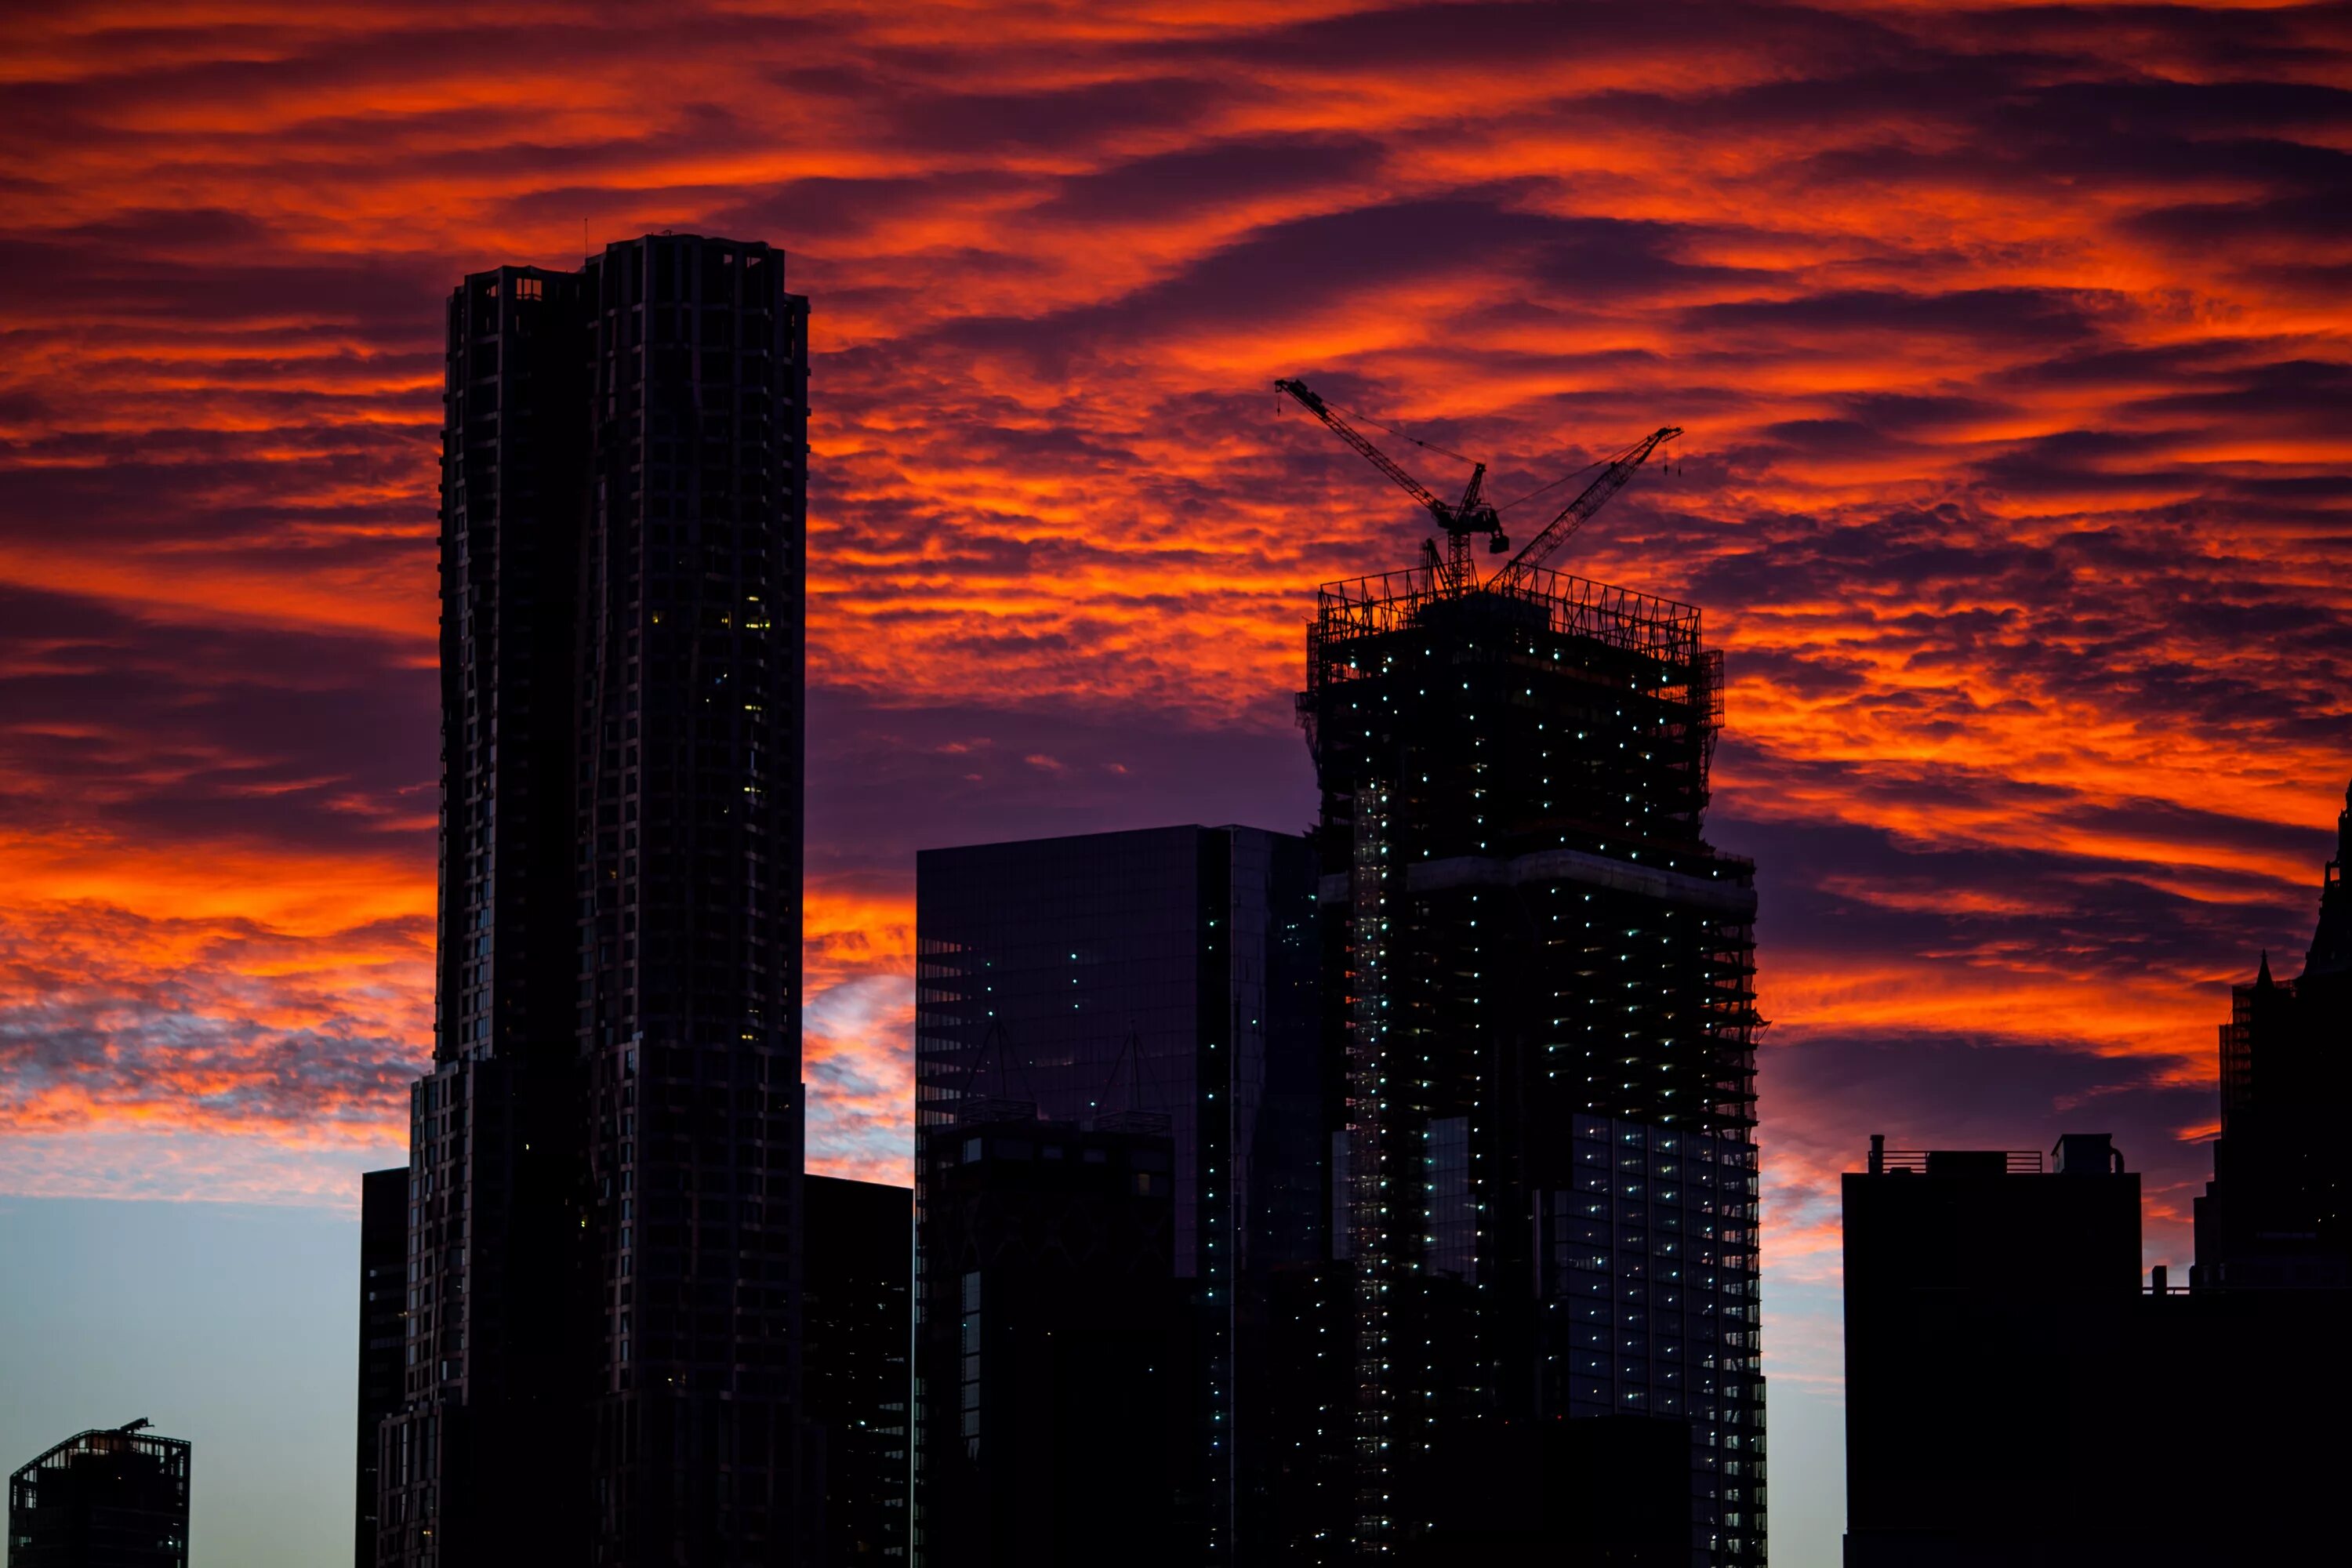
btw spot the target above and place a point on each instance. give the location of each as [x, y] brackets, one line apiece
[114, 1497]
[1547, 1019]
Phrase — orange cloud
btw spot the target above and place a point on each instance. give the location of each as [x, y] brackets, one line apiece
[2007, 340]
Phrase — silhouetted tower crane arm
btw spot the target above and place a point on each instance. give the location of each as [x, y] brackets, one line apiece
[1372, 454]
[1455, 570]
[1571, 517]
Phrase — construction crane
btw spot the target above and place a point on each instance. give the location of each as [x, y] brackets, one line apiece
[1571, 517]
[1455, 570]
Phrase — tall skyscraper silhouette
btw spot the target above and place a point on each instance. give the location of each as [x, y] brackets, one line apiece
[2278, 1211]
[602, 1293]
[1543, 979]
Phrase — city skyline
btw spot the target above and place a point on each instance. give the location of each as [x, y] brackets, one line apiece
[2005, 345]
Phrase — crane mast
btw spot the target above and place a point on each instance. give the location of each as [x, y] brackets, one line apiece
[1457, 571]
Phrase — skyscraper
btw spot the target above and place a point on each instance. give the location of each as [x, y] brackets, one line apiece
[2278, 1211]
[688, 863]
[604, 1163]
[1543, 989]
[1170, 975]
[108, 1499]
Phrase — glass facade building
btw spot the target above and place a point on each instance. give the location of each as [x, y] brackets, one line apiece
[1168, 975]
[1056, 1347]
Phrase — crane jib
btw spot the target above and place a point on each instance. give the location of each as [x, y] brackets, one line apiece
[1457, 571]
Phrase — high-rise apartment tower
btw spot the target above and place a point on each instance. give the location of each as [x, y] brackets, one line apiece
[603, 1273]
[1540, 978]
[1054, 1345]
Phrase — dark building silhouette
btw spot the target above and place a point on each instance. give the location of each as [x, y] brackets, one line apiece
[1054, 1344]
[102, 1499]
[383, 1275]
[1169, 973]
[1974, 1283]
[1543, 985]
[2278, 1211]
[603, 1291]
[857, 1378]
[2014, 1395]
[1616, 1490]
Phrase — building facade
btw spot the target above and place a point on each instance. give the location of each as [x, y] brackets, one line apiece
[110, 1498]
[602, 1296]
[493, 1126]
[1170, 975]
[2013, 1388]
[1542, 991]
[1976, 1284]
[384, 1276]
[858, 1375]
[1057, 1351]
[688, 835]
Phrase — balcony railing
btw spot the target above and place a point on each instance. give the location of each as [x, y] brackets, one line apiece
[1957, 1162]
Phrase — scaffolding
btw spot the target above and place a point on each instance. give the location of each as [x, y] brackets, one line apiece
[1384, 602]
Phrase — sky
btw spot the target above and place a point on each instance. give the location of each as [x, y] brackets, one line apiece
[2012, 345]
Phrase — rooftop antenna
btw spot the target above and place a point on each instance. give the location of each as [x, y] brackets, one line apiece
[1000, 1106]
[1135, 1118]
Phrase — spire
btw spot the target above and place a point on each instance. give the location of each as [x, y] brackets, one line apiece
[2331, 943]
[2263, 980]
